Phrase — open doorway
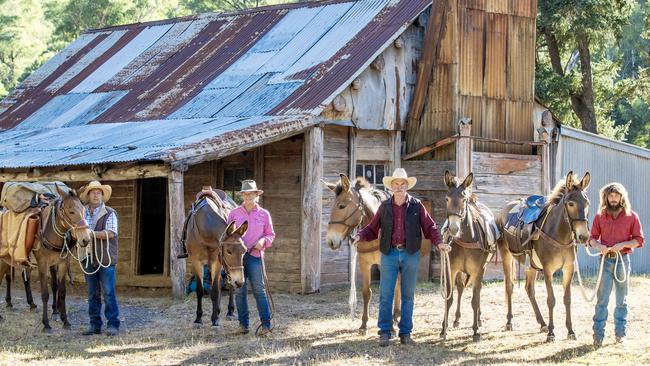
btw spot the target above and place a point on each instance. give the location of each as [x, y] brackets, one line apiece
[152, 223]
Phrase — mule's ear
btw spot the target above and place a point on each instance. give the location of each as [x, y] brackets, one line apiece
[345, 182]
[584, 183]
[242, 229]
[568, 182]
[230, 229]
[449, 179]
[468, 180]
[331, 186]
[61, 192]
[73, 193]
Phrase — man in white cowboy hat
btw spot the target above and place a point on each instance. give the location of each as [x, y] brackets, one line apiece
[101, 259]
[257, 238]
[399, 222]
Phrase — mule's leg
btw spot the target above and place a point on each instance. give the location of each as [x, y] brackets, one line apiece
[397, 300]
[55, 289]
[231, 304]
[197, 267]
[3, 271]
[8, 296]
[550, 302]
[459, 289]
[508, 262]
[27, 274]
[567, 277]
[45, 296]
[215, 291]
[477, 283]
[366, 273]
[531, 278]
[62, 273]
[448, 303]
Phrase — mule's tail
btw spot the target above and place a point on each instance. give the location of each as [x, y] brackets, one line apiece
[352, 301]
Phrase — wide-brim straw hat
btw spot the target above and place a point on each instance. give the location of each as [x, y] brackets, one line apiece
[105, 188]
[249, 185]
[399, 173]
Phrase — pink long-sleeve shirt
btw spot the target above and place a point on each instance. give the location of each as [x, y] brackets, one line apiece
[259, 226]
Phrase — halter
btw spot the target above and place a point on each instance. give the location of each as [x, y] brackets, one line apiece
[359, 208]
[222, 258]
[463, 216]
[57, 212]
[565, 215]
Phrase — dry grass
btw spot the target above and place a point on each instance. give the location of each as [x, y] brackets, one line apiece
[315, 329]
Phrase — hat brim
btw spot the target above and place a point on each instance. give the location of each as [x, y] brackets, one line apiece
[411, 181]
[259, 191]
[106, 193]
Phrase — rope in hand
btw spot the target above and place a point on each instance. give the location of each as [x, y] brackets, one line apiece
[619, 258]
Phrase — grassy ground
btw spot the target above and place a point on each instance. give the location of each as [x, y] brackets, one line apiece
[316, 329]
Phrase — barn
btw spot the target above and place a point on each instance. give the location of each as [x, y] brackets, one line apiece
[287, 95]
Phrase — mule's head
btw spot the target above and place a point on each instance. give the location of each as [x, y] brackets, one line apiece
[457, 198]
[576, 203]
[232, 253]
[73, 214]
[346, 213]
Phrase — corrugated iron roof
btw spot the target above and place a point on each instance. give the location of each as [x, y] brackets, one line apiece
[133, 92]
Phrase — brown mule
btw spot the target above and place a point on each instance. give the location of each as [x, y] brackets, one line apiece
[65, 214]
[353, 208]
[563, 222]
[210, 239]
[467, 254]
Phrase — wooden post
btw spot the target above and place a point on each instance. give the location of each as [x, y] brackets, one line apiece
[546, 160]
[311, 210]
[176, 218]
[352, 144]
[259, 170]
[464, 147]
[396, 149]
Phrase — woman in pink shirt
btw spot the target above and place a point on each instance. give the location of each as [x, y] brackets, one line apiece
[258, 237]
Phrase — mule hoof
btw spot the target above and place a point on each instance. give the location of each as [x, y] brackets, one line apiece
[456, 323]
[543, 329]
[550, 338]
[508, 327]
[231, 317]
[32, 306]
[363, 331]
[443, 336]
[55, 313]
[215, 324]
[10, 305]
[48, 330]
[476, 337]
[571, 337]
[197, 324]
[67, 326]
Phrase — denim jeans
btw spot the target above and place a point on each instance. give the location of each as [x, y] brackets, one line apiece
[405, 264]
[254, 275]
[606, 284]
[102, 282]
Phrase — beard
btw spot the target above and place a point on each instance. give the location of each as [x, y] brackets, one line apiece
[613, 207]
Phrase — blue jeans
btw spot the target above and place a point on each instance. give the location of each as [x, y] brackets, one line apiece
[405, 264]
[606, 284]
[254, 275]
[102, 282]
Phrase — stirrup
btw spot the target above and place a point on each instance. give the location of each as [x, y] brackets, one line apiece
[182, 256]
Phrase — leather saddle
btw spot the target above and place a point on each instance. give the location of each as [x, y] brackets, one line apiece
[520, 222]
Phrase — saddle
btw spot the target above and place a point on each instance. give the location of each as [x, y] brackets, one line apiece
[520, 223]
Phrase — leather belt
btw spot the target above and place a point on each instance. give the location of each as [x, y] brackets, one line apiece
[399, 246]
[612, 255]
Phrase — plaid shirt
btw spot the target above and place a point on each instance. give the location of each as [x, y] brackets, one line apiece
[91, 218]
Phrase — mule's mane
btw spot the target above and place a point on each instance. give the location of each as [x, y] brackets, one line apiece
[559, 191]
[359, 183]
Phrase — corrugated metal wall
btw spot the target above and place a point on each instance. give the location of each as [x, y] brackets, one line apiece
[608, 161]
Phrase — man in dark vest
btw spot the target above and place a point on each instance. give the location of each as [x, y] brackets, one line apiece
[99, 263]
[399, 223]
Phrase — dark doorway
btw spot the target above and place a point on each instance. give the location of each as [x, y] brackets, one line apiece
[152, 221]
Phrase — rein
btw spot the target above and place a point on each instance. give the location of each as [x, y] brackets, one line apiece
[359, 208]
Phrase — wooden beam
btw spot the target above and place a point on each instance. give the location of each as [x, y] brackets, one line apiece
[464, 147]
[352, 145]
[311, 212]
[546, 161]
[396, 148]
[425, 149]
[258, 171]
[87, 174]
[176, 206]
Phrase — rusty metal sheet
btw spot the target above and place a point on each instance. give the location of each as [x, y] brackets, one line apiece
[521, 50]
[496, 56]
[472, 28]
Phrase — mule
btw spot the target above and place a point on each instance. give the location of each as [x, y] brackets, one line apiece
[563, 222]
[468, 253]
[65, 214]
[210, 239]
[354, 207]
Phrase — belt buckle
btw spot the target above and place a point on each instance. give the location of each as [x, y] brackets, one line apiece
[611, 255]
[400, 247]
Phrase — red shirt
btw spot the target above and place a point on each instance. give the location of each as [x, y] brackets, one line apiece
[611, 231]
[429, 228]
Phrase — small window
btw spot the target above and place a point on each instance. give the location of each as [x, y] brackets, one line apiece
[374, 173]
[232, 178]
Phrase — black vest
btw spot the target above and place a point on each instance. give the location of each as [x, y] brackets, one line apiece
[413, 229]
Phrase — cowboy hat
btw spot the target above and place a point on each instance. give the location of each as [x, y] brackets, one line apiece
[249, 185]
[399, 173]
[105, 188]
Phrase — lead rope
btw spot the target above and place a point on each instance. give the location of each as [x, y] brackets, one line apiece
[619, 258]
[445, 273]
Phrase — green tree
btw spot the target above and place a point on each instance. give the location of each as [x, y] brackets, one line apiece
[202, 6]
[573, 69]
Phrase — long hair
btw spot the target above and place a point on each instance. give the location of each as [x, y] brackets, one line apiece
[615, 188]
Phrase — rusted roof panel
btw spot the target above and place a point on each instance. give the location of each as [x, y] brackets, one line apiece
[137, 87]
